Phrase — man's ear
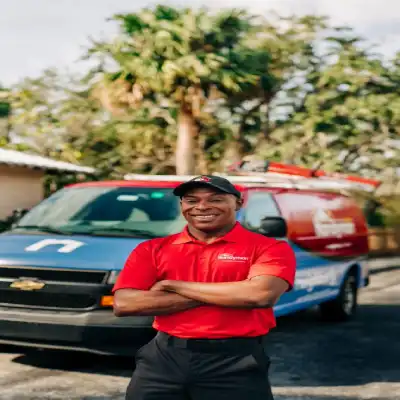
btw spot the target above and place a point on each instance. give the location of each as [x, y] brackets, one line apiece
[239, 204]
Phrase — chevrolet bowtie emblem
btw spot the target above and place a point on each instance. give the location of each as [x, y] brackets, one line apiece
[27, 284]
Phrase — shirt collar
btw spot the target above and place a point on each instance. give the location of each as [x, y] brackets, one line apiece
[234, 235]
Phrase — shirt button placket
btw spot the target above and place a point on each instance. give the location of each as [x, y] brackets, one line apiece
[202, 262]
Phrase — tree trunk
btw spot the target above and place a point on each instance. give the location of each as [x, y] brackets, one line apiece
[202, 163]
[186, 144]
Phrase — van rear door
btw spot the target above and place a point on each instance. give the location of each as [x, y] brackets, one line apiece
[328, 231]
[329, 225]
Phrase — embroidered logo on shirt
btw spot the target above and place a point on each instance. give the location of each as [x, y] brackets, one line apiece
[231, 257]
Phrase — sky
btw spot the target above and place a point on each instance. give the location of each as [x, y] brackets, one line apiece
[40, 34]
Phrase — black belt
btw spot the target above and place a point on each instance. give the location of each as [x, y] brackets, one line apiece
[235, 343]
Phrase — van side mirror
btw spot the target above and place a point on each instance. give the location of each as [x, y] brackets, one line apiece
[275, 227]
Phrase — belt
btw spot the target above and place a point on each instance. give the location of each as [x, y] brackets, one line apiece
[235, 343]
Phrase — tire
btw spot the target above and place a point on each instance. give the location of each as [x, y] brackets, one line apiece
[344, 306]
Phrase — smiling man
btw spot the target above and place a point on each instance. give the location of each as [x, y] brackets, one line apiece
[211, 289]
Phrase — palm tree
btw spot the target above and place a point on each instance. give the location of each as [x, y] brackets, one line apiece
[183, 61]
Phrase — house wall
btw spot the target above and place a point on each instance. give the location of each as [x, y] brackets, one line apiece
[19, 188]
[384, 241]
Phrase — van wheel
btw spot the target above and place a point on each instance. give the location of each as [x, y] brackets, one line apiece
[344, 307]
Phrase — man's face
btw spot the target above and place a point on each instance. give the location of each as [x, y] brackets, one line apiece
[208, 210]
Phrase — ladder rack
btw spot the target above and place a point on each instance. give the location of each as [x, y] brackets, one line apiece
[268, 180]
[272, 174]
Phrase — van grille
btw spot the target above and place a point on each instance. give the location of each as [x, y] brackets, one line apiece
[47, 300]
[55, 275]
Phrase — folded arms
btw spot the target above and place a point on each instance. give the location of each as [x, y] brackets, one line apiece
[169, 296]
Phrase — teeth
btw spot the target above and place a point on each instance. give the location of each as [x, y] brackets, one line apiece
[204, 217]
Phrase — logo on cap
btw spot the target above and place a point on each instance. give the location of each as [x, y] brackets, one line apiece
[203, 179]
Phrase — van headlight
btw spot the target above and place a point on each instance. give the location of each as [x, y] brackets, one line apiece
[112, 278]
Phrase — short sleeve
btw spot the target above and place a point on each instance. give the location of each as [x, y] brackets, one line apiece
[139, 271]
[277, 259]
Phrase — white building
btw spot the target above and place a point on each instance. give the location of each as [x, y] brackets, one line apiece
[21, 179]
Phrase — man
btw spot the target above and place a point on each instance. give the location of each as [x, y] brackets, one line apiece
[211, 289]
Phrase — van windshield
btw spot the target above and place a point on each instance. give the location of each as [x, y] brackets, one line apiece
[107, 211]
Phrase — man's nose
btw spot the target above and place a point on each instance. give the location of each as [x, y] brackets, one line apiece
[202, 205]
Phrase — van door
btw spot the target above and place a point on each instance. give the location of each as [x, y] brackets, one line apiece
[259, 205]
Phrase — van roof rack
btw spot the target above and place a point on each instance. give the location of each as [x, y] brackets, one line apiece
[271, 174]
[314, 177]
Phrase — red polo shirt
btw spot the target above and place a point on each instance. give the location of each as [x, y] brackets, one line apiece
[238, 255]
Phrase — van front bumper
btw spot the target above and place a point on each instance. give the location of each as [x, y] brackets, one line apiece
[97, 331]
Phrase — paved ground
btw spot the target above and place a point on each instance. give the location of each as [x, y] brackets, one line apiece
[311, 360]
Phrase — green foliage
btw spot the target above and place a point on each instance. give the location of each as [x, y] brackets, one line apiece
[347, 119]
[178, 52]
[5, 109]
[191, 63]
[290, 89]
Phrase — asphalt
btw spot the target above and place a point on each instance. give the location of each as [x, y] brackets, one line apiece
[311, 359]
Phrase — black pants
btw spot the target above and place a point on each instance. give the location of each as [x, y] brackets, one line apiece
[171, 369]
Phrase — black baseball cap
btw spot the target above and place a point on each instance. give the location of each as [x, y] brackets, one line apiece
[215, 182]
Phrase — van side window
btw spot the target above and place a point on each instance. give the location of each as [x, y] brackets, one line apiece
[259, 206]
